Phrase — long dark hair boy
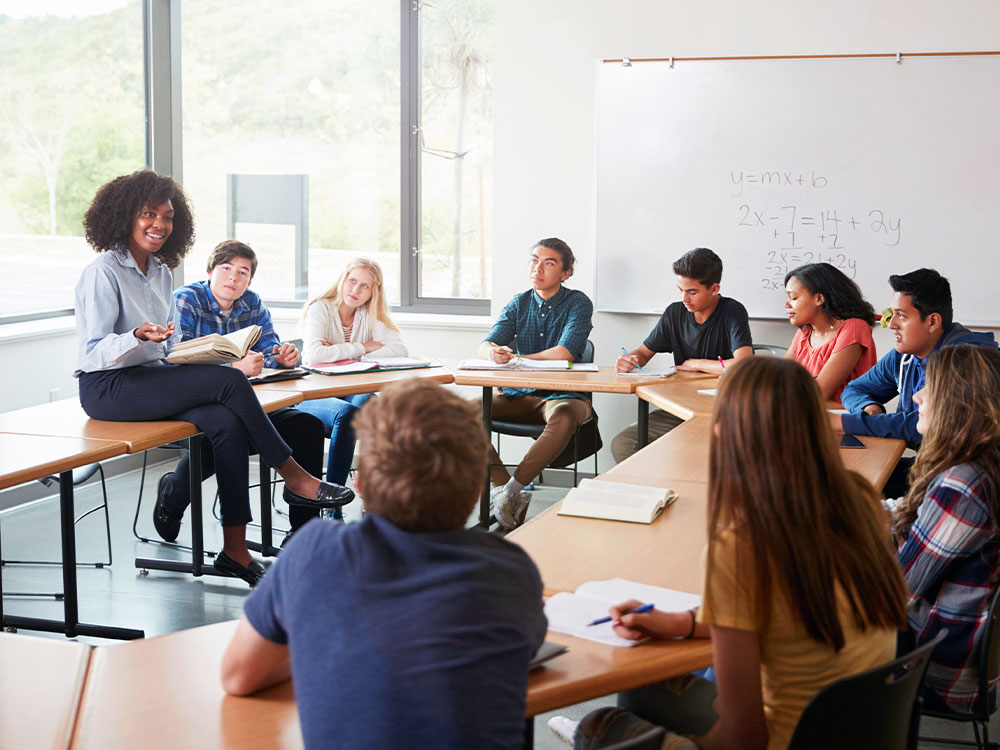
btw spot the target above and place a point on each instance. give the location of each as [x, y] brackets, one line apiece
[802, 520]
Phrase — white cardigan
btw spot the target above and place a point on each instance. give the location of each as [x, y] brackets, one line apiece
[323, 322]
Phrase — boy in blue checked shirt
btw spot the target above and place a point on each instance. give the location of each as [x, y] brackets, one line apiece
[223, 304]
[548, 321]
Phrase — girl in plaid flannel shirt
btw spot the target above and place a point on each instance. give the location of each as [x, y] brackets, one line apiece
[947, 523]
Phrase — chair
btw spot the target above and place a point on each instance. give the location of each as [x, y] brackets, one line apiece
[586, 440]
[80, 475]
[878, 709]
[773, 350]
[988, 670]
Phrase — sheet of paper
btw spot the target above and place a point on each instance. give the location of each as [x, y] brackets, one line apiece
[619, 589]
[569, 614]
[709, 391]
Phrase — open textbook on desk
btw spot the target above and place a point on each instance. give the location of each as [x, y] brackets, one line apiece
[522, 363]
[569, 613]
[616, 501]
[345, 366]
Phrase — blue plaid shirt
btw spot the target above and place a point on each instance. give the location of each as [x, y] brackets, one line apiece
[529, 324]
[948, 558]
[198, 314]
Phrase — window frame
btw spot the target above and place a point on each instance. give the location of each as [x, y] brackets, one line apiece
[161, 31]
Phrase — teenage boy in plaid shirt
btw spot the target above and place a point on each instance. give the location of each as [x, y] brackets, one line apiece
[223, 304]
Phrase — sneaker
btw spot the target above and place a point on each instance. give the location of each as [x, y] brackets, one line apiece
[564, 728]
[509, 510]
[167, 524]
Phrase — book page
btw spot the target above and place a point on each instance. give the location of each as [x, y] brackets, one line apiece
[615, 590]
[243, 339]
[568, 613]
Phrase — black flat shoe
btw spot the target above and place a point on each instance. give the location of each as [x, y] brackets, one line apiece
[167, 524]
[225, 564]
[327, 496]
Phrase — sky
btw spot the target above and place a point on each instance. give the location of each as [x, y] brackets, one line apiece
[79, 8]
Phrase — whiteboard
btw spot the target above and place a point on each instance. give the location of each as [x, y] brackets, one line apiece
[875, 166]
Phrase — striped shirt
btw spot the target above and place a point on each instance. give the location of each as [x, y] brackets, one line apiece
[949, 558]
[198, 314]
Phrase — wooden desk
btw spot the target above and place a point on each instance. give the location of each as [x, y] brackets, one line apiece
[605, 380]
[680, 397]
[315, 385]
[165, 693]
[24, 458]
[40, 690]
[67, 419]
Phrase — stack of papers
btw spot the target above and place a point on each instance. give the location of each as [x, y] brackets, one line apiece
[569, 613]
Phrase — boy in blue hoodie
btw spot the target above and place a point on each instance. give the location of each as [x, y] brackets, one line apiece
[922, 323]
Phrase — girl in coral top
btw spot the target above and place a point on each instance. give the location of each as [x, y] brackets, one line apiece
[834, 341]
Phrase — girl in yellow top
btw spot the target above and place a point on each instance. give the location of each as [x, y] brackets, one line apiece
[801, 587]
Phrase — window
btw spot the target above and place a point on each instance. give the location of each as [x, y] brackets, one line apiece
[309, 89]
[451, 138]
[71, 118]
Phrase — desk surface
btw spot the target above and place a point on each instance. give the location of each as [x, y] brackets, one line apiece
[66, 418]
[606, 380]
[165, 693]
[315, 385]
[27, 457]
[680, 397]
[39, 690]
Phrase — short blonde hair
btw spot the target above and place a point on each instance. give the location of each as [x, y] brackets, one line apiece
[422, 457]
[378, 306]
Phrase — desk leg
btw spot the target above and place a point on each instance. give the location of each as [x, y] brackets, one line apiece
[197, 522]
[529, 733]
[71, 613]
[196, 567]
[267, 548]
[643, 437]
[484, 498]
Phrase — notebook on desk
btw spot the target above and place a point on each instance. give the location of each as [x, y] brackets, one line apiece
[522, 363]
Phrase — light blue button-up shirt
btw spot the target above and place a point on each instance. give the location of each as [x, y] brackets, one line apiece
[113, 298]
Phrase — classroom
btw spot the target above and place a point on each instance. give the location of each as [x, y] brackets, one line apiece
[541, 180]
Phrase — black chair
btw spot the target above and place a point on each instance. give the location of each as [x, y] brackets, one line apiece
[988, 670]
[80, 475]
[875, 710]
[586, 440]
[773, 350]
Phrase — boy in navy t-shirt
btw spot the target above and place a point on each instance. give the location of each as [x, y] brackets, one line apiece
[700, 329]
[405, 630]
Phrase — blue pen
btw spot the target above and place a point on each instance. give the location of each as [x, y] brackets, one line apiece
[636, 611]
[638, 367]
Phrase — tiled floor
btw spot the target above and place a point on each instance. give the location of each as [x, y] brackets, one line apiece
[164, 602]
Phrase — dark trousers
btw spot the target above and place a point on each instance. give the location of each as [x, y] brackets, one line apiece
[217, 400]
[303, 432]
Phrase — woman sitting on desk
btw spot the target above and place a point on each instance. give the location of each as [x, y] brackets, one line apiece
[834, 341]
[948, 520]
[801, 588]
[350, 320]
[142, 226]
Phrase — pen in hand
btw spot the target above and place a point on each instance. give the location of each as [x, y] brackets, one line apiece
[636, 611]
[625, 352]
[723, 364]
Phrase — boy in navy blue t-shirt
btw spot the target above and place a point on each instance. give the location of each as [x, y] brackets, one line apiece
[407, 629]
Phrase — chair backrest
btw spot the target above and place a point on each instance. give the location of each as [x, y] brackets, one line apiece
[989, 653]
[772, 349]
[876, 710]
[588, 352]
[650, 740]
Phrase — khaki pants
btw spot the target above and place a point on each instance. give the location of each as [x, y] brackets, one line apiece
[560, 416]
[626, 442]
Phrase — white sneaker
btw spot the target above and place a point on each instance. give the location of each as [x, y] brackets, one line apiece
[564, 728]
[509, 510]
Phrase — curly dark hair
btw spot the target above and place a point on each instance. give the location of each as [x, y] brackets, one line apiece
[108, 221]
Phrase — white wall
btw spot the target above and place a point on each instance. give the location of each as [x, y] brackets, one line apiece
[545, 60]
